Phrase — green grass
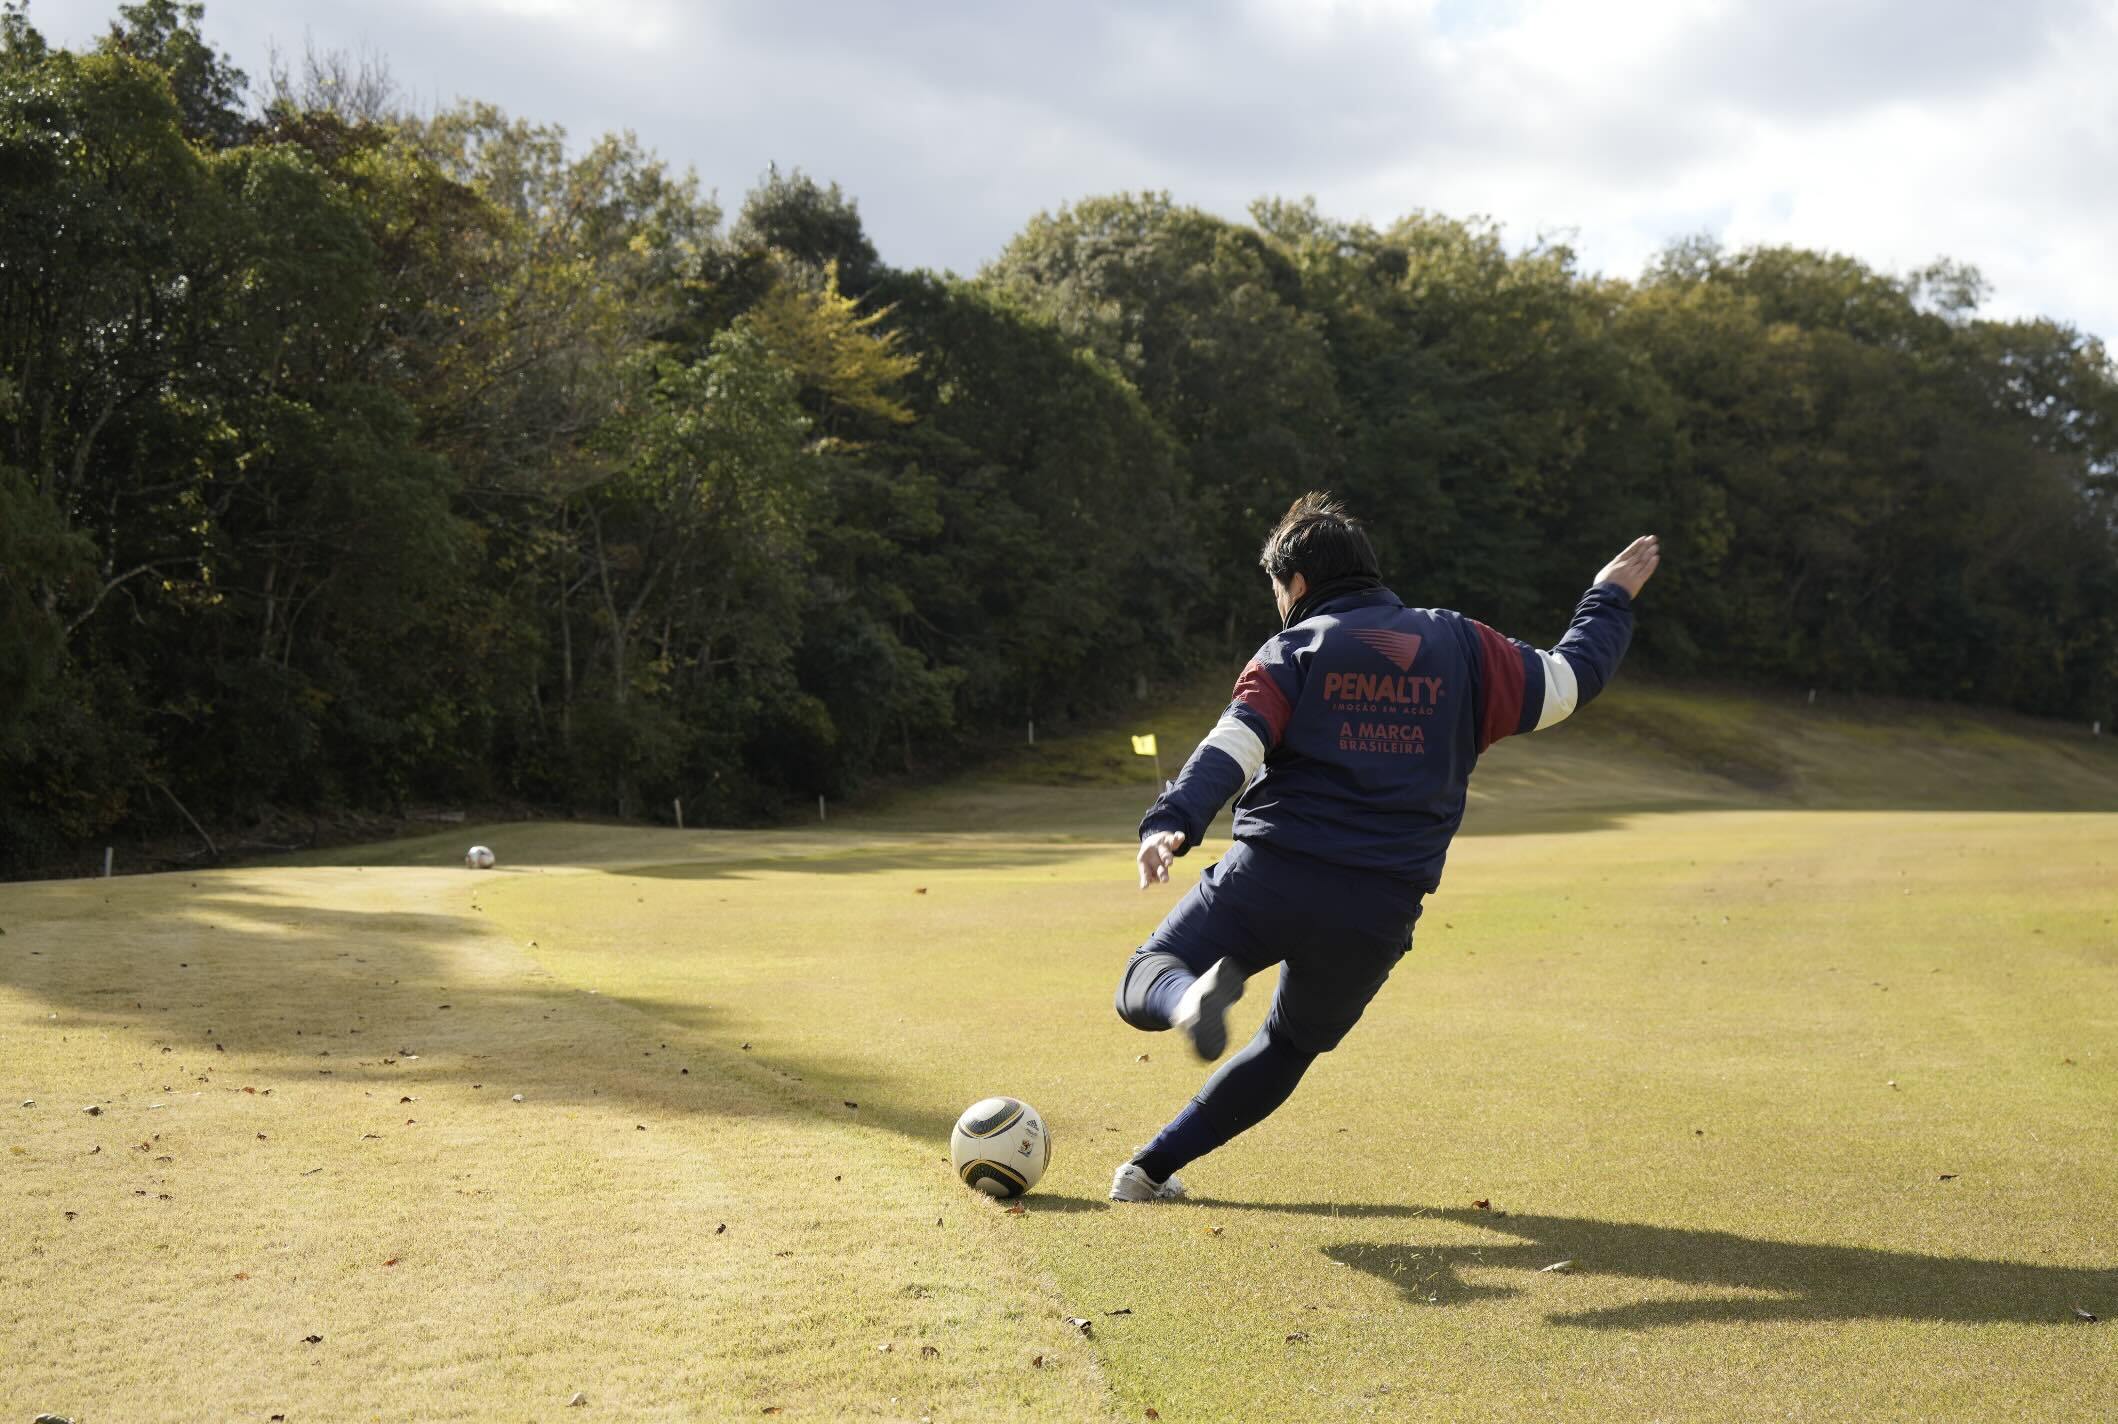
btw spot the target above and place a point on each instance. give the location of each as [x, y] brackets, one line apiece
[1718, 1038]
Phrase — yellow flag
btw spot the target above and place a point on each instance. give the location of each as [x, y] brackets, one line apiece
[1144, 746]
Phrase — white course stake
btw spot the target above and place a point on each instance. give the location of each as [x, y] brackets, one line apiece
[678, 802]
[819, 807]
[106, 862]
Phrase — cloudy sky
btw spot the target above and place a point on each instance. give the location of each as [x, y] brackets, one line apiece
[1895, 130]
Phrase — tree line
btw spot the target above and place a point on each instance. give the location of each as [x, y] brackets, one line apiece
[356, 457]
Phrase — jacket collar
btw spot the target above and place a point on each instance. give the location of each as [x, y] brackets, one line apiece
[1359, 598]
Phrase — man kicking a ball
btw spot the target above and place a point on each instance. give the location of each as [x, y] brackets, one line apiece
[1351, 738]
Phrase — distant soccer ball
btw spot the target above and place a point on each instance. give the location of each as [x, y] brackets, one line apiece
[478, 858]
[1000, 1146]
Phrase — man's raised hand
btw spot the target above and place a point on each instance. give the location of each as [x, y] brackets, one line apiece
[1635, 566]
[1156, 852]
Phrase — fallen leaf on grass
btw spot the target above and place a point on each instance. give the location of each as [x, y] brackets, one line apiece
[391, 1262]
[849, 1102]
[1151, 1412]
[365, 1136]
[1215, 1230]
[1141, 1059]
[919, 890]
[1036, 1362]
[251, 1091]
[404, 1100]
[1555, 1266]
[721, 1228]
[312, 1171]
[928, 1352]
[242, 1275]
[1296, 1337]
[1482, 1204]
[1948, 1177]
[1084, 1326]
[93, 1111]
[1121, 1310]
[2080, 1314]
[312, 1339]
[579, 1398]
[885, 1347]
[770, 1409]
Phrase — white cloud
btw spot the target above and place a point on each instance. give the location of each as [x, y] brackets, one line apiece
[1895, 130]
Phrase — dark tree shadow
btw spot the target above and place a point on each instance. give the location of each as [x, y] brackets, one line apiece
[865, 860]
[367, 996]
[1806, 1282]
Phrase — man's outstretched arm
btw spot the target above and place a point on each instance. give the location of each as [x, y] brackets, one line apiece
[1525, 689]
[1222, 764]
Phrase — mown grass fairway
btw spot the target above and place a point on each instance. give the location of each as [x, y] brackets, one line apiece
[1822, 1105]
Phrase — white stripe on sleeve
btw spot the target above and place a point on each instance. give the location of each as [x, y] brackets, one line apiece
[1242, 745]
[1561, 691]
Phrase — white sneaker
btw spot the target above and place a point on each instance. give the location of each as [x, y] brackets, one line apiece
[1203, 1011]
[1133, 1185]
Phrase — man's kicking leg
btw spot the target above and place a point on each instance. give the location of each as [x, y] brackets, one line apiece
[1186, 976]
[1325, 986]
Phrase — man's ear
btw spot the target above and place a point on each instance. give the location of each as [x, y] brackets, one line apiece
[1298, 587]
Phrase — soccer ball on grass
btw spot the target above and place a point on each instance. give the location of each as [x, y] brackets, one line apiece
[1000, 1146]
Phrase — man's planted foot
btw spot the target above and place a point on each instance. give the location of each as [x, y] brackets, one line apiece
[1133, 1185]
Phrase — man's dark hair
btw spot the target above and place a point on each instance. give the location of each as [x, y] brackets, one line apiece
[1317, 539]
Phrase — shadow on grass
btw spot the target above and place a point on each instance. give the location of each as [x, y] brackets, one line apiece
[1037, 1202]
[859, 860]
[220, 982]
[1799, 1282]
[358, 996]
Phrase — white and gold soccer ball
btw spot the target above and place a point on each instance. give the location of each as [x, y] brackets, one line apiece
[478, 858]
[1000, 1146]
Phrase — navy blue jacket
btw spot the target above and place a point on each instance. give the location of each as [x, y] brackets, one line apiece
[1353, 733]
